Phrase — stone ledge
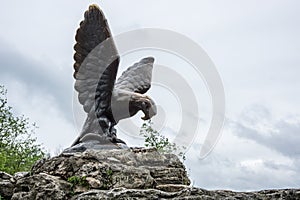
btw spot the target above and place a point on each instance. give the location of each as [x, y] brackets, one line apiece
[188, 193]
[136, 173]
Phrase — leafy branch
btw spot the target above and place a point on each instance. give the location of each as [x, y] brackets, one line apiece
[18, 148]
[154, 139]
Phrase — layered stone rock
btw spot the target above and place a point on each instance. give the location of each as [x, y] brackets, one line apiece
[136, 173]
[6, 185]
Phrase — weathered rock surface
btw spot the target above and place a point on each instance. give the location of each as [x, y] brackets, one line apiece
[6, 184]
[116, 174]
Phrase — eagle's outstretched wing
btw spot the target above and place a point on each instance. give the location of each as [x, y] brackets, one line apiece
[137, 78]
[96, 62]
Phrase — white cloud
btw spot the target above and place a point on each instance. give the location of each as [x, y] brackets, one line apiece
[242, 164]
[280, 135]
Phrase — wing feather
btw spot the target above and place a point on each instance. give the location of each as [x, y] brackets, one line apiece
[137, 78]
[96, 61]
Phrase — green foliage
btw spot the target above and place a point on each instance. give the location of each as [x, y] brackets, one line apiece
[77, 181]
[109, 172]
[80, 181]
[18, 148]
[107, 179]
[154, 139]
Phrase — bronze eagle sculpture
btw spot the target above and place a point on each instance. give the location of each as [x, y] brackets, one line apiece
[105, 100]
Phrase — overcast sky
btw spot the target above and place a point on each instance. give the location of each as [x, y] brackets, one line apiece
[254, 44]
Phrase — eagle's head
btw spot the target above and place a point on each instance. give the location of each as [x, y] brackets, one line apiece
[143, 103]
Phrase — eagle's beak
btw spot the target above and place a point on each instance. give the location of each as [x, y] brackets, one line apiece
[151, 110]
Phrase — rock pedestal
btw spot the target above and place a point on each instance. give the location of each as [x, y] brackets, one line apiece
[135, 173]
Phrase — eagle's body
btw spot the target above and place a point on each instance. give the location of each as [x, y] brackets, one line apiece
[105, 100]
